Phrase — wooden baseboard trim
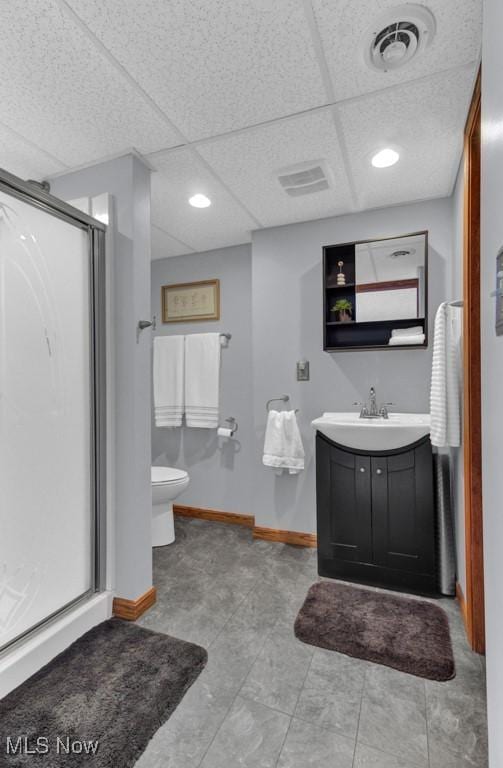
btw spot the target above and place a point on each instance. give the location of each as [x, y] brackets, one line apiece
[462, 604]
[285, 537]
[268, 534]
[214, 515]
[131, 610]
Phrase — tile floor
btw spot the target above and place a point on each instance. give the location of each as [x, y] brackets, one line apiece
[266, 700]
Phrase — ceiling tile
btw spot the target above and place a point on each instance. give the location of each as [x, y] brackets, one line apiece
[343, 25]
[248, 163]
[179, 176]
[164, 246]
[22, 159]
[424, 120]
[213, 65]
[62, 95]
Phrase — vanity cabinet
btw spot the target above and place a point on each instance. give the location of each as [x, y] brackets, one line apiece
[376, 515]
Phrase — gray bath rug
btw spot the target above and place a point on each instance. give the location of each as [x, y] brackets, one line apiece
[399, 632]
[100, 701]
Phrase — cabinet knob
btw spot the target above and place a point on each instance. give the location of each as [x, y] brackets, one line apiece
[362, 469]
[378, 471]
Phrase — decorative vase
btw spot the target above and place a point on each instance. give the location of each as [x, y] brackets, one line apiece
[344, 315]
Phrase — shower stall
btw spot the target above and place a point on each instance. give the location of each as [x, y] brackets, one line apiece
[52, 411]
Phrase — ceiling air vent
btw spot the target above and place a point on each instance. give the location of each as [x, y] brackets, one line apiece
[397, 36]
[305, 178]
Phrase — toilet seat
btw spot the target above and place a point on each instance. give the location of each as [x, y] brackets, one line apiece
[167, 475]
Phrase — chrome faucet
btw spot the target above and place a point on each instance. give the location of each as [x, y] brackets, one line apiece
[372, 411]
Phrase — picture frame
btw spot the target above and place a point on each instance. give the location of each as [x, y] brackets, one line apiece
[191, 302]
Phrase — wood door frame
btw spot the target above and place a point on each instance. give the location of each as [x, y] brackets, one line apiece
[473, 607]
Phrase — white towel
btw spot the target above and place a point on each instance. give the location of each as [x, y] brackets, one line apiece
[283, 447]
[416, 330]
[417, 338]
[445, 397]
[168, 380]
[202, 380]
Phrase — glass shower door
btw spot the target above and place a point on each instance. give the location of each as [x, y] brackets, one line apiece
[47, 456]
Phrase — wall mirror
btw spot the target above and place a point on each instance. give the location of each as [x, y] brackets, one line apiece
[376, 293]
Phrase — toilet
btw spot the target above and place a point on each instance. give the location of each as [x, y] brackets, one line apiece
[167, 484]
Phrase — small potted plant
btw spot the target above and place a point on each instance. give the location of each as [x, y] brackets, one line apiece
[343, 310]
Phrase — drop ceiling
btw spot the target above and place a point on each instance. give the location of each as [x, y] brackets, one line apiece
[219, 95]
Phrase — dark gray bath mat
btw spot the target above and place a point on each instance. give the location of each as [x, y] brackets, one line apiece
[406, 634]
[116, 685]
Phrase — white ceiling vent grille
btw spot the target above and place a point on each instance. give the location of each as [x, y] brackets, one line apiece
[397, 36]
[305, 178]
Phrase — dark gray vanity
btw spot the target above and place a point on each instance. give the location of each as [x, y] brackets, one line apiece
[376, 508]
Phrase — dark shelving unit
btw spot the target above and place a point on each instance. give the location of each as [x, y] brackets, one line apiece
[340, 336]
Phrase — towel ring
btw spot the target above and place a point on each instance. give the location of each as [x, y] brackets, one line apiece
[281, 398]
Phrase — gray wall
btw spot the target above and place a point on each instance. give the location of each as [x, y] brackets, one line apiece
[128, 180]
[220, 469]
[492, 368]
[457, 467]
[287, 326]
[271, 303]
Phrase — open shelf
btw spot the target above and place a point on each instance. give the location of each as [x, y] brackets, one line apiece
[353, 334]
[394, 323]
[335, 287]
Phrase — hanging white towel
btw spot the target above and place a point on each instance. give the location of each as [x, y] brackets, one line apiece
[445, 397]
[283, 447]
[202, 380]
[168, 380]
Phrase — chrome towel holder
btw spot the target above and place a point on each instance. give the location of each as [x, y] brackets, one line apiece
[281, 398]
[142, 324]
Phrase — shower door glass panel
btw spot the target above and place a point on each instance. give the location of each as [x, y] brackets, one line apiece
[46, 508]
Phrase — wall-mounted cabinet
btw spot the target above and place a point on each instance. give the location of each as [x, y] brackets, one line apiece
[375, 294]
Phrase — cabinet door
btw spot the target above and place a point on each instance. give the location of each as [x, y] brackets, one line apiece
[348, 512]
[403, 511]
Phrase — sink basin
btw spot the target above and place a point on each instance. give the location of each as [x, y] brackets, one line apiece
[380, 434]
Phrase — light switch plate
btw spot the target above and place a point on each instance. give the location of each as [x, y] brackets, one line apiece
[303, 370]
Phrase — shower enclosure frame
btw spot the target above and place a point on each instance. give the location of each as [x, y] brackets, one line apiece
[34, 195]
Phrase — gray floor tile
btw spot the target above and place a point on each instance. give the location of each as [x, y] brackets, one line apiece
[251, 736]
[239, 597]
[278, 673]
[332, 692]
[368, 757]
[183, 740]
[393, 713]
[457, 725]
[309, 746]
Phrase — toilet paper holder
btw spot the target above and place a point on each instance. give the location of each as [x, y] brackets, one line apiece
[231, 424]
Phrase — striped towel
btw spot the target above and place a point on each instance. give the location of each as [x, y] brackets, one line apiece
[445, 395]
[168, 381]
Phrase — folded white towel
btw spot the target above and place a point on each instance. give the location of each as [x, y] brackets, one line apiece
[202, 380]
[416, 330]
[168, 380]
[283, 447]
[445, 396]
[397, 341]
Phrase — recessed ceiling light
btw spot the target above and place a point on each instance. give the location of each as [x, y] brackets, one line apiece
[199, 201]
[385, 158]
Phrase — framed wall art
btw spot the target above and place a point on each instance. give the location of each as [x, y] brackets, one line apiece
[186, 302]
